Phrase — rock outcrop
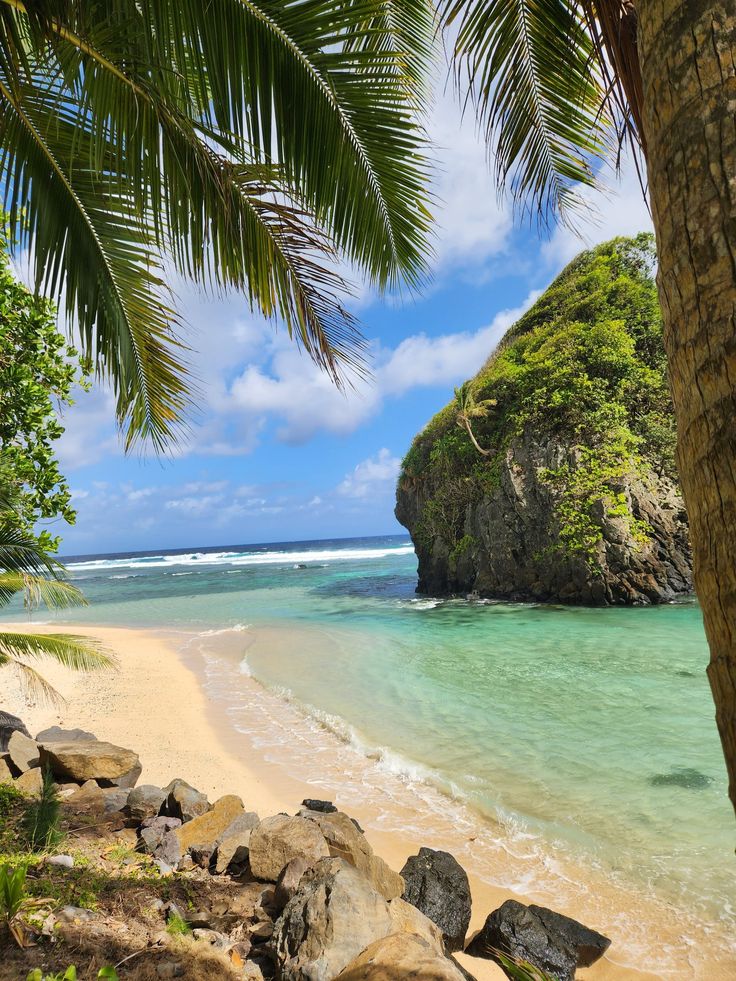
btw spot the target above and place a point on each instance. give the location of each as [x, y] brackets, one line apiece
[551, 476]
[91, 759]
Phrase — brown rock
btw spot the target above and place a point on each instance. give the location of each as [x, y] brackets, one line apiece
[90, 759]
[233, 844]
[202, 831]
[22, 752]
[401, 957]
[334, 915]
[30, 782]
[346, 841]
[408, 919]
[6, 775]
[279, 839]
[184, 801]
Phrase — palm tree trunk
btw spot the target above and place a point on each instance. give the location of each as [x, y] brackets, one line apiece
[473, 440]
[689, 115]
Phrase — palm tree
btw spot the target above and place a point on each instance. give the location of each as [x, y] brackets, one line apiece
[246, 144]
[24, 567]
[561, 85]
[467, 409]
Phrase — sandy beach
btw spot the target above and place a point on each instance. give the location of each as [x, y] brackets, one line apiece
[154, 703]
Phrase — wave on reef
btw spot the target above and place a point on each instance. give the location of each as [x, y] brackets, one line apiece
[293, 558]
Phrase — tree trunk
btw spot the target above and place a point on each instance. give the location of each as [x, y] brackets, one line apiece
[473, 440]
[687, 52]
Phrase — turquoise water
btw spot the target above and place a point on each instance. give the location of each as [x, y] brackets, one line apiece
[590, 728]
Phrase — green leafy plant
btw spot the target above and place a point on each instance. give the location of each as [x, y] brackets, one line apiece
[15, 903]
[41, 819]
[521, 970]
[177, 926]
[70, 974]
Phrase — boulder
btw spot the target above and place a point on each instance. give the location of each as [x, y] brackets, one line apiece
[91, 759]
[346, 841]
[116, 799]
[22, 752]
[514, 930]
[55, 734]
[401, 957]
[8, 725]
[408, 919]
[233, 844]
[153, 831]
[6, 774]
[183, 801]
[438, 886]
[30, 782]
[201, 832]
[589, 945]
[334, 915]
[145, 801]
[288, 881]
[279, 839]
[325, 806]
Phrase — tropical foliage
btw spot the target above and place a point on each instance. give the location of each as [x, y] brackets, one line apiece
[37, 376]
[557, 90]
[586, 362]
[242, 145]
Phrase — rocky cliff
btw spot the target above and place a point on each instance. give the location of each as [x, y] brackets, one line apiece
[551, 474]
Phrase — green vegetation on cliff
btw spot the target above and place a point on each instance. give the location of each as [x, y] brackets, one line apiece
[587, 364]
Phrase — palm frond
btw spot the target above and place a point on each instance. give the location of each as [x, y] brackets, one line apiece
[536, 83]
[56, 594]
[128, 129]
[68, 650]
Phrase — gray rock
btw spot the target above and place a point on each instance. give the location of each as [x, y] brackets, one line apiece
[153, 831]
[279, 839]
[91, 759]
[220, 941]
[288, 881]
[145, 801]
[233, 846]
[515, 930]
[55, 734]
[325, 806]
[588, 944]
[75, 914]
[168, 850]
[22, 752]
[8, 725]
[116, 799]
[334, 915]
[438, 886]
[183, 801]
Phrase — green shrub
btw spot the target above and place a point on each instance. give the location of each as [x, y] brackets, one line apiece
[41, 819]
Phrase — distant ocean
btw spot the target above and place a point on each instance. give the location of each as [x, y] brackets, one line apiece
[578, 735]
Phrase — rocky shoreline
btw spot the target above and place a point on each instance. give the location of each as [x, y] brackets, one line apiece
[291, 897]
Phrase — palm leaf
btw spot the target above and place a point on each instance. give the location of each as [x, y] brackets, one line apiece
[536, 82]
[56, 594]
[131, 128]
[76, 653]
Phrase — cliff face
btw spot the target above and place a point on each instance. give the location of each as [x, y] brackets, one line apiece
[550, 477]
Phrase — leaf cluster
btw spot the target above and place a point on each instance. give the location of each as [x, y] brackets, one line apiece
[247, 146]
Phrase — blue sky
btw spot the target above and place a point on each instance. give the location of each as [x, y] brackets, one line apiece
[275, 452]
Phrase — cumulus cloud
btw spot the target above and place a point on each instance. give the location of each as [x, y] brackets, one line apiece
[372, 476]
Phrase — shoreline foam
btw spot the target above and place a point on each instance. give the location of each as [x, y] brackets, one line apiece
[157, 699]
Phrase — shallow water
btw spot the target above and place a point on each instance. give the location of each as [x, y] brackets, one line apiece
[588, 731]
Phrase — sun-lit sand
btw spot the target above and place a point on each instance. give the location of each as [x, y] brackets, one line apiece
[154, 704]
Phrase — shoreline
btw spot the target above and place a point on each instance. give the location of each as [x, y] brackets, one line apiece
[158, 695]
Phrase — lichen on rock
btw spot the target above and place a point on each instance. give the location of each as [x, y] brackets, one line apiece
[574, 497]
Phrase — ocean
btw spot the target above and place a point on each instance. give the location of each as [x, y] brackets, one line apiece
[548, 738]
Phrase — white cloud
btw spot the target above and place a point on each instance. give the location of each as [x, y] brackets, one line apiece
[195, 505]
[372, 476]
[619, 210]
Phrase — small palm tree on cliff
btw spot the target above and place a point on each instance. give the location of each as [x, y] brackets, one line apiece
[467, 409]
[26, 568]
